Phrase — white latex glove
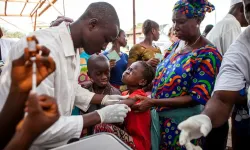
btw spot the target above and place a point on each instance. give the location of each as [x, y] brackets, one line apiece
[113, 113]
[112, 99]
[194, 128]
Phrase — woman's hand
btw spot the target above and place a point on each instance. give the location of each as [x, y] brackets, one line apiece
[153, 62]
[145, 104]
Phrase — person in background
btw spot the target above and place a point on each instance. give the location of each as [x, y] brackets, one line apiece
[117, 68]
[99, 74]
[222, 36]
[172, 38]
[207, 30]
[93, 30]
[59, 20]
[228, 29]
[5, 46]
[136, 129]
[83, 78]
[185, 79]
[145, 51]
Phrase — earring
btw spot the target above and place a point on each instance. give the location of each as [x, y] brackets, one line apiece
[197, 26]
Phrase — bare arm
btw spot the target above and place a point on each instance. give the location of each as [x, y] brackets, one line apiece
[219, 107]
[11, 114]
[12, 111]
[177, 102]
[21, 141]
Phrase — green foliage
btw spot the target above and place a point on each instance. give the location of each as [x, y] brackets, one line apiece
[8, 34]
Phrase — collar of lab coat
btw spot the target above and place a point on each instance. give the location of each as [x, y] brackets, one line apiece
[68, 46]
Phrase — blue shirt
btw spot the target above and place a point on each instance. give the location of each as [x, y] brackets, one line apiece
[117, 71]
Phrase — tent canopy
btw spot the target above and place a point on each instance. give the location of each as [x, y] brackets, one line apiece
[27, 8]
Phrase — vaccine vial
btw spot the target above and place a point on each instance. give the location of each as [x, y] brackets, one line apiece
[32, 46]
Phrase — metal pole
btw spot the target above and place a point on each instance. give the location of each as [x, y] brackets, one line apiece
[134, 26]
[215, 17]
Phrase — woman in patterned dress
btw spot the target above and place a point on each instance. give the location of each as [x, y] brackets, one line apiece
[185, 79]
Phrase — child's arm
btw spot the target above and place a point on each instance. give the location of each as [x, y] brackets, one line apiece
[128, 102]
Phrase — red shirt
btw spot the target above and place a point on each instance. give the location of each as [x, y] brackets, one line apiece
[138, 125]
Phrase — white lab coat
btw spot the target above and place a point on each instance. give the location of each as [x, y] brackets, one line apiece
[6, 45]
[225, 33]
[62, 84]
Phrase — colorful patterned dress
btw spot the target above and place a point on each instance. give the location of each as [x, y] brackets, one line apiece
[189, 73]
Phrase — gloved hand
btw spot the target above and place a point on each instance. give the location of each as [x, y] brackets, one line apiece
[194, 128]
[113, 113]
[112, 99]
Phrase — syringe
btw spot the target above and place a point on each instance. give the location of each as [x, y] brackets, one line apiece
[33, 51]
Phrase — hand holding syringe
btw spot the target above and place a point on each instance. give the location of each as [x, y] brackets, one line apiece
[22, 68]
[31, 41]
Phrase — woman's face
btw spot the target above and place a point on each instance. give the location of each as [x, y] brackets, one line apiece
[156, 34]
[184, 28]
[122, 39]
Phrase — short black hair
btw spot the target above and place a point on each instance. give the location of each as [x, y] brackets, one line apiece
[91, 64]
[148, 73]
[148, 25]
[208, 28]
[102, 11]
[235, 7]
[119, 34]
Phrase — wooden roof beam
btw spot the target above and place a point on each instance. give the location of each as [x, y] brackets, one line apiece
[24, 7]
[37, 7]
[47, 7]
[13, 15]
[20, 1]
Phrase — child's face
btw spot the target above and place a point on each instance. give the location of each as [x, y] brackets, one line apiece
[100, 74]
[133, 76]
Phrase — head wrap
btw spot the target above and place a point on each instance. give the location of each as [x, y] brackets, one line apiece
[193, 8]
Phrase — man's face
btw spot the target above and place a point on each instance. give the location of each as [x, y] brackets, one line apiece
[247, 10]
[97, 37]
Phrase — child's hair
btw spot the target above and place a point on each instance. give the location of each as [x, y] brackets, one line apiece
[148, 25]
[148, 73]
[92, 61]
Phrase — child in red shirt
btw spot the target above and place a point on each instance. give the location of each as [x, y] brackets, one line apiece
[136, 128]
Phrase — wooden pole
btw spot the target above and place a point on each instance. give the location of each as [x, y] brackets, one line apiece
[5, 7]
[134, 26]
[35, 21]
[23, 8]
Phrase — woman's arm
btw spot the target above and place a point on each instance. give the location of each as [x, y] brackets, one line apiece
[177, 102]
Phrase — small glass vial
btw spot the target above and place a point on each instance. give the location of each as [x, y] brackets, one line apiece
[32, 46]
